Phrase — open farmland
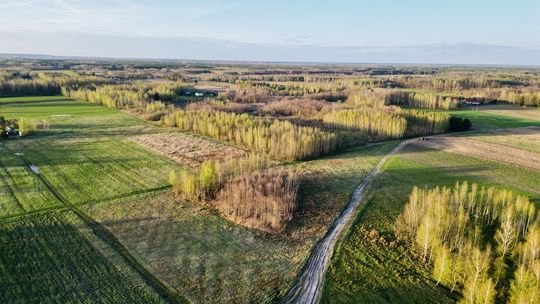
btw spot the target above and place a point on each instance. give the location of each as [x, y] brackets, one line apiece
[522, 138]
[209, 259]
[53, 258]
[371, 266]
[186, 149]
[491, 118]
[531, 114]
[215, 183]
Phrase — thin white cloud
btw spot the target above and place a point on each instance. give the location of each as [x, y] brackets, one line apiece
[125, 17]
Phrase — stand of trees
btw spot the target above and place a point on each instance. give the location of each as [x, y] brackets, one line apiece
[264, 200]
[302, 108]
[477, 239]
[372, 122]
[26, 84]
[424, 123]
[244, 190]
[520, 97]
[389, 122]
[280, 139]
[130, 96]
[421, 100]
[458, 124]
[453, 83]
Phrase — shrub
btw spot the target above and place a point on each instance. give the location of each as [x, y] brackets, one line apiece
[458, 124]
[27, 127]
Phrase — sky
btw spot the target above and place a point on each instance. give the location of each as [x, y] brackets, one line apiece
[382, 31]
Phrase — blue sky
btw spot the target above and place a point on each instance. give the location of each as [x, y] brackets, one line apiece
[337, 29]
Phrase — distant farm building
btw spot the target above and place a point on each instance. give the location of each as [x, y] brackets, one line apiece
[470, 101]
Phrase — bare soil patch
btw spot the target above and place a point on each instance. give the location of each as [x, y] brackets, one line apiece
[187, 149]
[482, 149]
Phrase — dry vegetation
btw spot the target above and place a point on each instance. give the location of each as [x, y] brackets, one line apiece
[264, 200]
[187, 149]
[475, 148]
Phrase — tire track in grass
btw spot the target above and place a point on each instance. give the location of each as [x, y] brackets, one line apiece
[167, 293]
[308, 288]
[12, 195]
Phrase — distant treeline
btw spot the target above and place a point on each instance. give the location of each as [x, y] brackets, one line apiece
[22, 84]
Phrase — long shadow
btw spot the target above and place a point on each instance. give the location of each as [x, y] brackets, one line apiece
[33, 256]
[167, 293]
[34, 102]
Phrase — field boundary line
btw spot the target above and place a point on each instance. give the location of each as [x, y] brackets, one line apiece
[125, 195]
[14, 217]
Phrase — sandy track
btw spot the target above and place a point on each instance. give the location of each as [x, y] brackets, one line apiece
[482, 149]
[309, 286]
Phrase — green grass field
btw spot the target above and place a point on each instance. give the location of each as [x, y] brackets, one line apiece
[88, 166]
[85, 160]
[209, 259]
[487, 117]
[82, 158]
[367, 267]
[54, 258]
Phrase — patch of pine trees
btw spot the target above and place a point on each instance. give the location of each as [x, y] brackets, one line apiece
[244, 190]
[482, 242]
[280, 139]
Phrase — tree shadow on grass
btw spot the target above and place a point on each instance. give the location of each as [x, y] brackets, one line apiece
[47, 258]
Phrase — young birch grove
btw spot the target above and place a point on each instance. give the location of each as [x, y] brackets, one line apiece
[452, 228]
[280, 139]
[244, 190]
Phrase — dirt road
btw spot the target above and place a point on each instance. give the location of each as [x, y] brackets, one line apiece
[309, 286]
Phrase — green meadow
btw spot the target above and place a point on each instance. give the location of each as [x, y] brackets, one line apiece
[369, 266]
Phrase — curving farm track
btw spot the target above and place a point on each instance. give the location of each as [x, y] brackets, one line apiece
[308, 287]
